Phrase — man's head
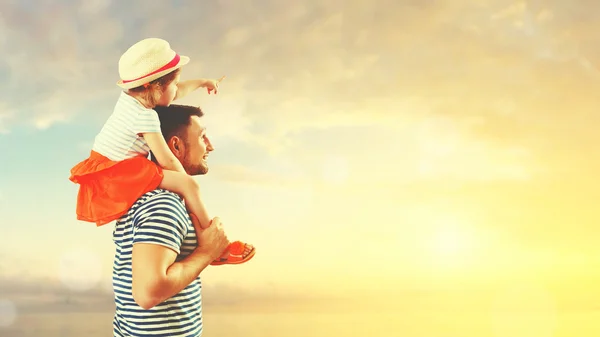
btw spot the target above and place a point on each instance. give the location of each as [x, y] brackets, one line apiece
[185, 133]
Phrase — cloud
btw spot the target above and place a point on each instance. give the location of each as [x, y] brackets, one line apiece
[514, 11]
[256, 176]
[296, 67]
[471, 77]
[58, 64]
[71, 59]
[6, 115]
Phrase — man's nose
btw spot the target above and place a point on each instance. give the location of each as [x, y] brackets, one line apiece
[209, 146]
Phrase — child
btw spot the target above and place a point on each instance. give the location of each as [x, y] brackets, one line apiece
[118, 170]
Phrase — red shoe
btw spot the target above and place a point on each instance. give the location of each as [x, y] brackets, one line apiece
[239, 252]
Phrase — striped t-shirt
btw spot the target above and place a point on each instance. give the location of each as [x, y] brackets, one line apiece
[120, 137]
[158, 217]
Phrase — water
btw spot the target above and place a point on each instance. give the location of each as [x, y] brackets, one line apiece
[389, 323]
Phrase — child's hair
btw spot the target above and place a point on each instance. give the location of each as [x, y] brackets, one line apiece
[150, 92]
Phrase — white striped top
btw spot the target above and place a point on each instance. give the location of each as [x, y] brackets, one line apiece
[120, 136]
[158, 217]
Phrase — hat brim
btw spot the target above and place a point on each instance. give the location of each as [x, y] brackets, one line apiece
[183, 60]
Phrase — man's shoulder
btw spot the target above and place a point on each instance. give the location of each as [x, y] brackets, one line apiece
[159, 199]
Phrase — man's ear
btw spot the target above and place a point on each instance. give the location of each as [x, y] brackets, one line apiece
[176, 146]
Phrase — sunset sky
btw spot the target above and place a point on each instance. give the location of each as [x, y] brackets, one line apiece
[372, 146]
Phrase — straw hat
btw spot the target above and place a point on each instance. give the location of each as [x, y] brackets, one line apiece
[146, 61]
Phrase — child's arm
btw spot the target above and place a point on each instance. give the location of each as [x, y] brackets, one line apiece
[166, 159]
[185, 87]
[182, 184]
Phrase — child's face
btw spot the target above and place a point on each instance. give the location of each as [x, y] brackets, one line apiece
[168, 94]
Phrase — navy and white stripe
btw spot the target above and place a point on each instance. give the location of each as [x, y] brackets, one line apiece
[119, 138]
[158, 217]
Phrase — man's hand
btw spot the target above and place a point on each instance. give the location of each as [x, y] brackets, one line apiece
[156, 276]
[211, 85]
[212, 240]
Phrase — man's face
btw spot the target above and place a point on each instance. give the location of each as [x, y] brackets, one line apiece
[197, 147]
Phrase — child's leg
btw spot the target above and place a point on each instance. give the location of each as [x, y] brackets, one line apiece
[184, 185]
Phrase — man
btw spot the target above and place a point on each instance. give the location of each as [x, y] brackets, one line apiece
[160, 253]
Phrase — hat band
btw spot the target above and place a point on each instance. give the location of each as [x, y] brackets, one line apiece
[171, 64]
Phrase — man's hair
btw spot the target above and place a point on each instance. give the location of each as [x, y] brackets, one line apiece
[174, 119]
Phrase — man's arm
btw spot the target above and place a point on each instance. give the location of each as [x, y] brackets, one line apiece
[161, 226]
[157, 277]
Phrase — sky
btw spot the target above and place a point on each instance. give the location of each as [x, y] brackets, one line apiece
[364, 147]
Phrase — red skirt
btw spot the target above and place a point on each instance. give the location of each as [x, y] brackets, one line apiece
[107, 188]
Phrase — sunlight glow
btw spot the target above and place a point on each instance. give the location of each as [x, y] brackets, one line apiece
[524, 310]
[336, 170]
[451, 244]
